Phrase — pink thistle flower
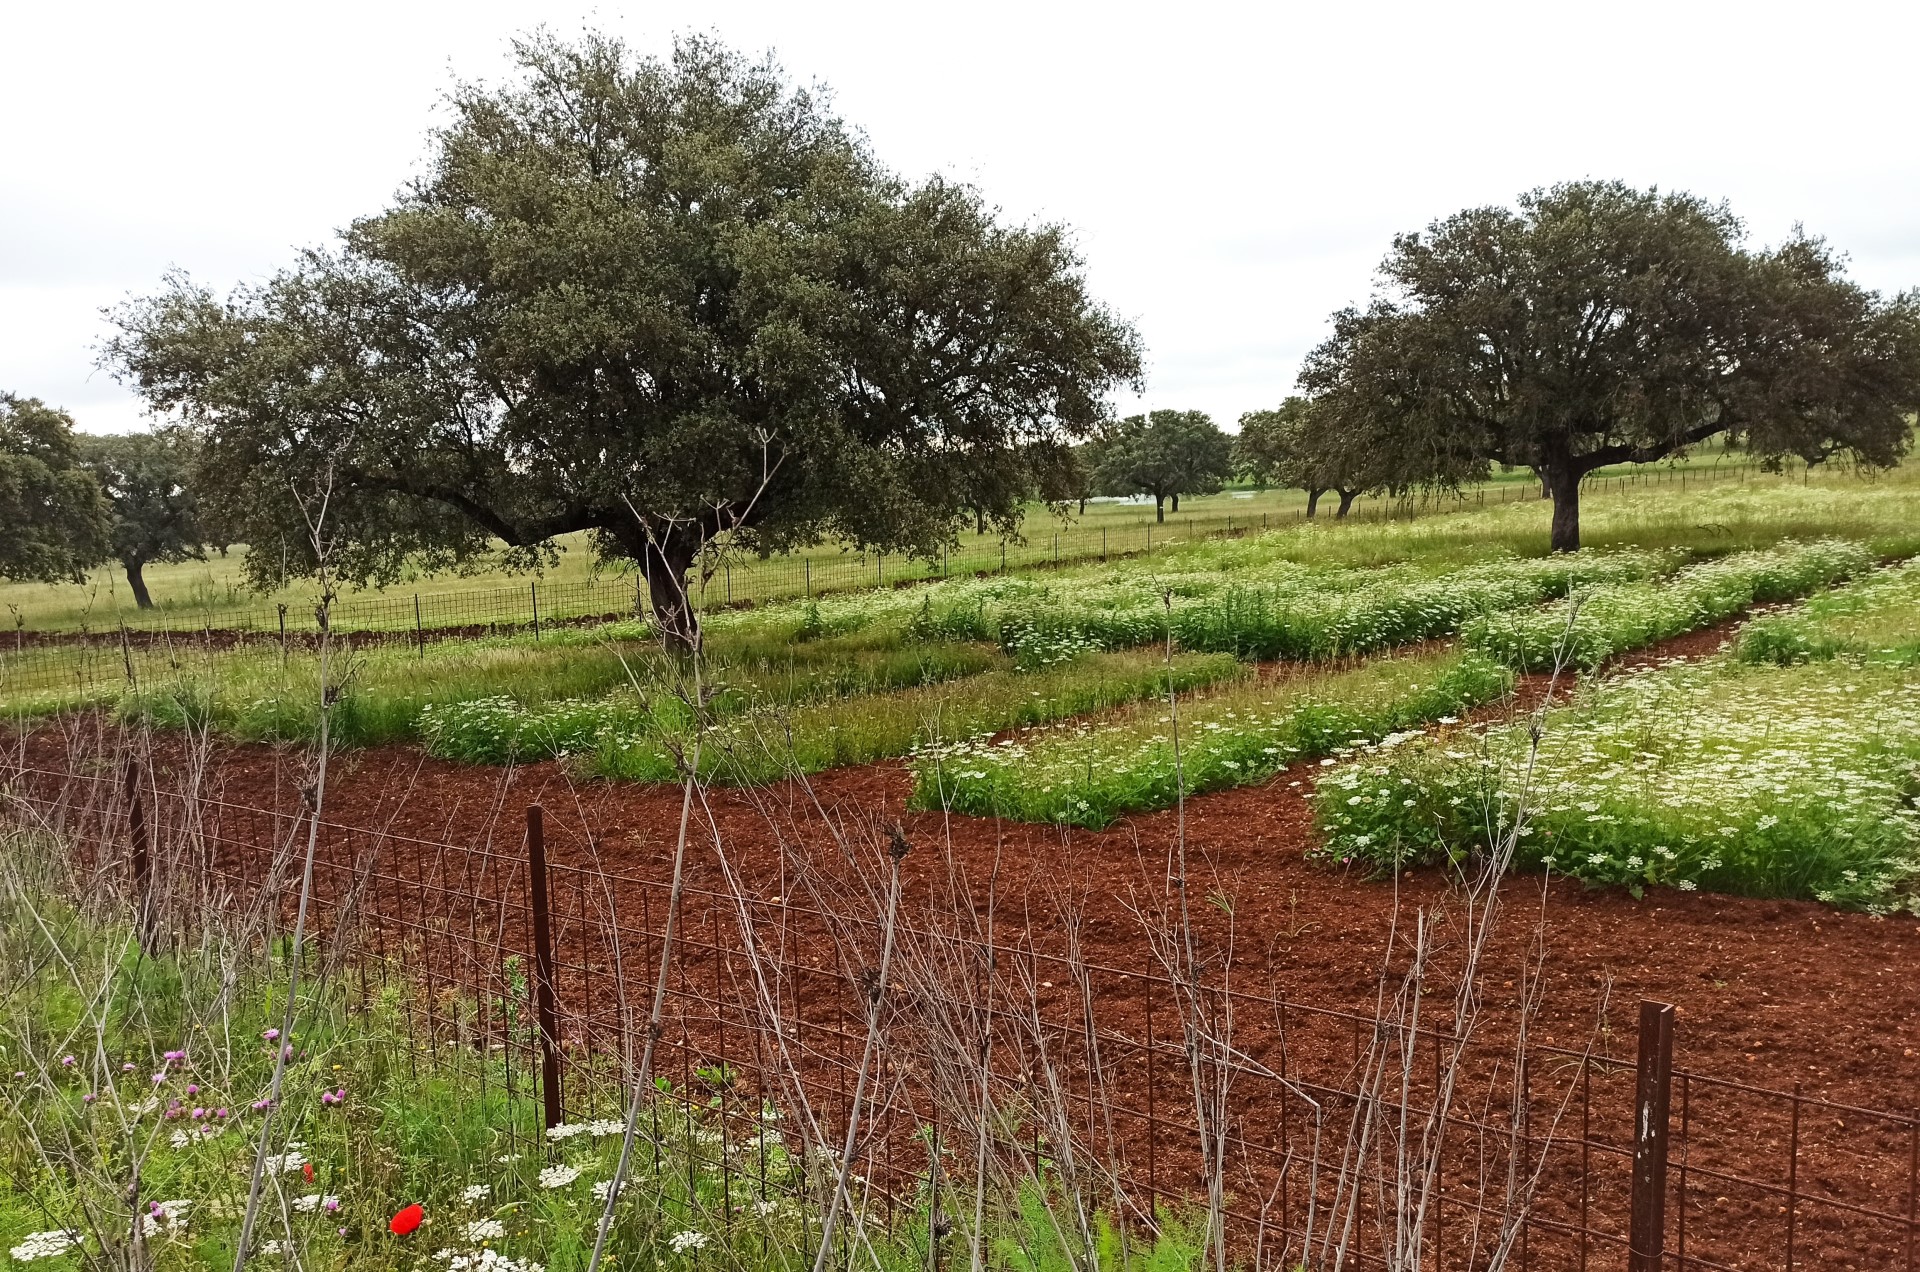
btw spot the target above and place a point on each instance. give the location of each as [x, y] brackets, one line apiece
[220, 1113]
[88, 1098]
[67, 1062]
[271, 1035]
[127, 1068]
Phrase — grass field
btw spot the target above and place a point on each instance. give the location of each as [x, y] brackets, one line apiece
[202, 593]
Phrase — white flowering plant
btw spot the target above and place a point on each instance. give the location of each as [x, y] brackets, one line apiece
[1089, 772]
[1760, 780]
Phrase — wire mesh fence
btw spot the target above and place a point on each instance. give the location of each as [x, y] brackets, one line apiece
[44, 666]
[1133, 1085]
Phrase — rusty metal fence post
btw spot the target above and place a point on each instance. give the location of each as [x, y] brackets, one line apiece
[1647, 1223]
[140, 856]
[545, 1012]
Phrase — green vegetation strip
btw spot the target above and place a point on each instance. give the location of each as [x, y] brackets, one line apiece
[776, 740]
[1877, 618]
[1588, 629]
[1744, 777]
[1090, 773]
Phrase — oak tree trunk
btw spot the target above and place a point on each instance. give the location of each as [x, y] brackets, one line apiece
[666, 566]
[1313, 502]
[1563, 482]
[1346, 502]
[136, 579]
[1159, 507]
[1176, 501]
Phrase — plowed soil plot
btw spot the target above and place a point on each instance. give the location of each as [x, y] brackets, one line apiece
[1781, 996]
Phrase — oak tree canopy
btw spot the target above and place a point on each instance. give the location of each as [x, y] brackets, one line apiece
[656, 300]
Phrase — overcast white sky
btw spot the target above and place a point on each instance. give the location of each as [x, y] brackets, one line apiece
[1234, 172]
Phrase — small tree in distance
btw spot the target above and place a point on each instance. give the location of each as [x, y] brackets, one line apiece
[1285, 448]
[1165, 454]
[153, 512]
[1602, 325]
[663, 302]
[53, 520]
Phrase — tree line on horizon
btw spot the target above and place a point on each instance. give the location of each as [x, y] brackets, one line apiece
[669, 301]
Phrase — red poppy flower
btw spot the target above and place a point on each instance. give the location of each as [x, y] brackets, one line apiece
[306, 1169]
[407, 1220]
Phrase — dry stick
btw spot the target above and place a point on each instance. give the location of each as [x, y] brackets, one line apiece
[874, 998]
[975, 1246]
[656, 1015]
[1189, 975]
[283, 1043]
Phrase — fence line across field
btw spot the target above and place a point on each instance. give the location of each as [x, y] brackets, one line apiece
[74, 665]
[1640, 1161]
[744, 579]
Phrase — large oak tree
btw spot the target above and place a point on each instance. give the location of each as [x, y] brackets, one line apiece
[1599, 324]
[659, 301]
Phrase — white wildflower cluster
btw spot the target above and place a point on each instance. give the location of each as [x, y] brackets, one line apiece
[486, 1230]
[1781, 780]
[598, 1129]
[311, 1202]
[558, 1176]
[285, 1163]
[475, 1192]
[485, 1260]
[165, 1216]
[1872, 620]
[44, 1245]
[187, 1135]
[686, 1242]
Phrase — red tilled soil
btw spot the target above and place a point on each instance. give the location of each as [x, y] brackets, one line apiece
[1769, 992]
[1777, 994]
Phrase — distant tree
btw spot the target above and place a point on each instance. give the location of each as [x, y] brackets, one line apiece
[661, 302]
[1317, 445]
[53, 520]
[1165, 454]
[153, 512]
[1283, 448]
[1602, 325]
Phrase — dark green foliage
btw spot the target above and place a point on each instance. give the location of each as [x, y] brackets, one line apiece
[1301, 445]
[654, 300]
[53, 520]
[155, 514]
[1165, 454]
